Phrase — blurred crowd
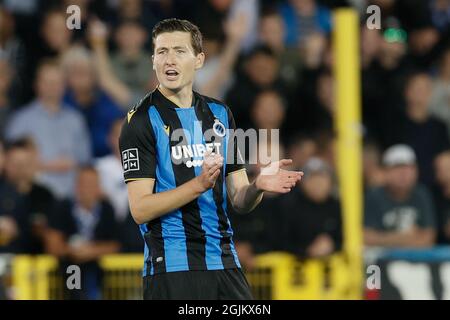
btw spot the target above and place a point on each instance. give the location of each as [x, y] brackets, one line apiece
[64, 93]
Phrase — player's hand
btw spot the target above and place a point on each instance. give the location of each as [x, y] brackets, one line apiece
[212, 163]
[274, 179]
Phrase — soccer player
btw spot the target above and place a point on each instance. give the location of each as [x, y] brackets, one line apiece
[178, 184]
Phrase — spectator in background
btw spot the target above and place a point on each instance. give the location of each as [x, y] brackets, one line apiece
[268, 110]
[311, 215]
[210, 14]
[440, 14]
[371, 97]
[301, 148]
[422, 44]
[60, 134]
[216, 76]
[318, 116]
[313, 53]
[382, 82]
[373, 172]
[272, 33]
[400, 214]
[5, 84]
[370, 45]
[9, 198]
[440, 100]
[418, 129]
[442, 196]
[137, 10]
[267, 115]
[84, 95]
[260, 72]
[2, 160]
[13, 51]
[118, 91]
[304, 17]
[82, 230]
[131, 64]
[258, 232]
[36, 201]
[56, 38]
[250, 10]
[114, 188]
[326, 147]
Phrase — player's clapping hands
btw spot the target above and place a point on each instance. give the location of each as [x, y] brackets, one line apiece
[212, 164]
[274, 179]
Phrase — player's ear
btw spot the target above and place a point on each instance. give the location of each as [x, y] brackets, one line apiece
[153, 62]
[199, 60]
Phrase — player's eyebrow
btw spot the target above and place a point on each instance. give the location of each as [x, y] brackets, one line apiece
[175, 48]
[179, 47]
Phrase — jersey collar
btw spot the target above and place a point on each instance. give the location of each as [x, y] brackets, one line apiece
[164, 102]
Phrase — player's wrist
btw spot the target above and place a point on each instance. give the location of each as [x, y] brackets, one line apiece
[198, 186]
[258, 185]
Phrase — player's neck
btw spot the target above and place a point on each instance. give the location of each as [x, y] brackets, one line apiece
[182, 98]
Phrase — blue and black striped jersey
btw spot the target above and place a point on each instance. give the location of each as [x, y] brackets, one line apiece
[197, 236]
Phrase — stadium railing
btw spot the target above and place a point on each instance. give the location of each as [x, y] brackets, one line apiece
[277, 275]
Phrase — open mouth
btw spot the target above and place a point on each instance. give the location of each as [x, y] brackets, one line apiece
[171, 74]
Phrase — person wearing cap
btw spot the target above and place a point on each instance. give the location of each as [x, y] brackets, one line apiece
[312, 224]
[401, 213]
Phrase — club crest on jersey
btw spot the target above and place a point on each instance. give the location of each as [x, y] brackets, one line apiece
[130, 160]
[219, 129]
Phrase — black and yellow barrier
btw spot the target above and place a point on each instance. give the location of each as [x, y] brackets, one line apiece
[276, 276]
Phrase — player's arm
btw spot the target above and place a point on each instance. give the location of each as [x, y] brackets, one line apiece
[245, 196]
[146, 205]
[138, 153]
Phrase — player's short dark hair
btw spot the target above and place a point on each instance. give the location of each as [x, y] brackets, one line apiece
[173, 24]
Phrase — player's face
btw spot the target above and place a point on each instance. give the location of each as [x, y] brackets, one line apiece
[175, 61]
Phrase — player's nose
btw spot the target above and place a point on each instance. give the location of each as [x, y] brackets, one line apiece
[171, 58]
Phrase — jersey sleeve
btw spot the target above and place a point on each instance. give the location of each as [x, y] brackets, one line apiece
[137, 146]
[235, 160]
